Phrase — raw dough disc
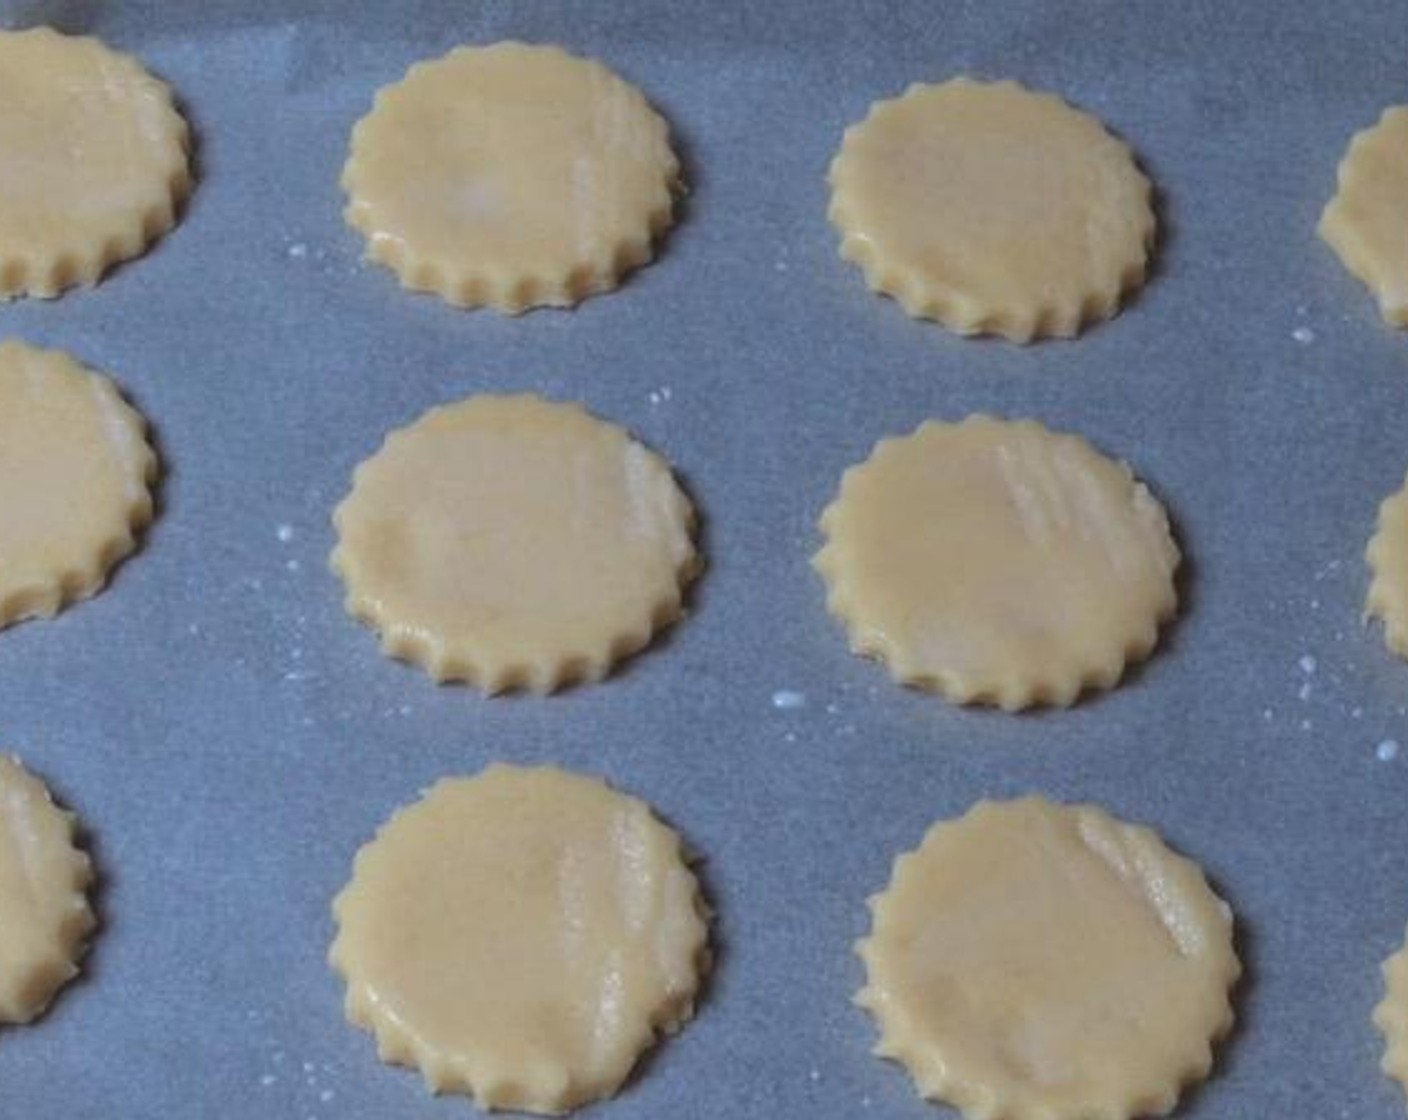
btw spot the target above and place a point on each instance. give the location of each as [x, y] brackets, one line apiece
[1391, 1017]
[1033, 960]
[998, 562]
[514, 542]
[74, 475]
[993, 209]
[511, 176]
[1366, 223]
[94, 158]
[44, 913]
[521, 936]
[1388, 558]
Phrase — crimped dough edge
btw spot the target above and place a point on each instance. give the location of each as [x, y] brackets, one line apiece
[463, 662]
[932, 1074]
[467, 284]
[552, 1091]
[82, 578]
[84, 264]
[1057, 316]
[1064, 684]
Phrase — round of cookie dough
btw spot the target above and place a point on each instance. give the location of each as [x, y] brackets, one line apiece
[44, 911]
[1391, 1017]
[998, 562]
[75, 476]
[94, 156]
[514, 542]
[511, 176]
[1366, 223]
[521, 936]
[992, 209]
[1035, 961]
[1388, 561]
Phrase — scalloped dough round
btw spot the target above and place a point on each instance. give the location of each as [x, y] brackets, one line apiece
[998, 562]
[992, 209]
[75, 475]
[511, 176]
[514, 542]
[93, 161]
[44, 911]
[1366, 223]
[1034, 961]
[521, 936]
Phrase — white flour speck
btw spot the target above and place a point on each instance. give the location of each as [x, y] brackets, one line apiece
[325, 1096]
[1266, 714]
[660, 395]
[1304, 335]
[297, 251]
[1307, 664]
[1305, 725]
[1304, 692]
[788, 701]
[815, 1074]
[284, 533]
[1358, 713]
[1387, 750]
[293, 565]
[267, 1080]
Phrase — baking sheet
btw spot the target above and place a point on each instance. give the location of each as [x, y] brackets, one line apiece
[230, 738]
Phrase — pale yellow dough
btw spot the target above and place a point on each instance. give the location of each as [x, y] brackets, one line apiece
[1388, 559]
[93, 161]
[521, 936]
[514, 542]
[75, 470]
[993, 209]
[1366, 223]
[511, 176]
[997, 562]
[44, 912]
[1391, 1017]
[1032, 961]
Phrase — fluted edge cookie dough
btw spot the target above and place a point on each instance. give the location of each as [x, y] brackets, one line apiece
[1034, 961]
[511, 176]
[521, 936]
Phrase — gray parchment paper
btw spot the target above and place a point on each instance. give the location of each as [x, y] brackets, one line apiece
[230, 738]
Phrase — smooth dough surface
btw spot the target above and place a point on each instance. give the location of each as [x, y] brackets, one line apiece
[44, 912]
[1391, 1017]
[511, 176]
[514, 542]
[75, 470]
[521, 936]
[93, 161]
[1366, 223]
[993, 209]
[1388, 560]
[998, 562]
[1032, 960]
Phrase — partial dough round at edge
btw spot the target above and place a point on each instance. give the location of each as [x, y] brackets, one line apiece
[44, 911]
[1365, 223]
[992, 209]
[1391, 1017]
[1034, 961]
[75, 481]
[946, 550]
[515, 542]
[1387, 555]
[561, 178]
[521, 936]
[97, 156]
